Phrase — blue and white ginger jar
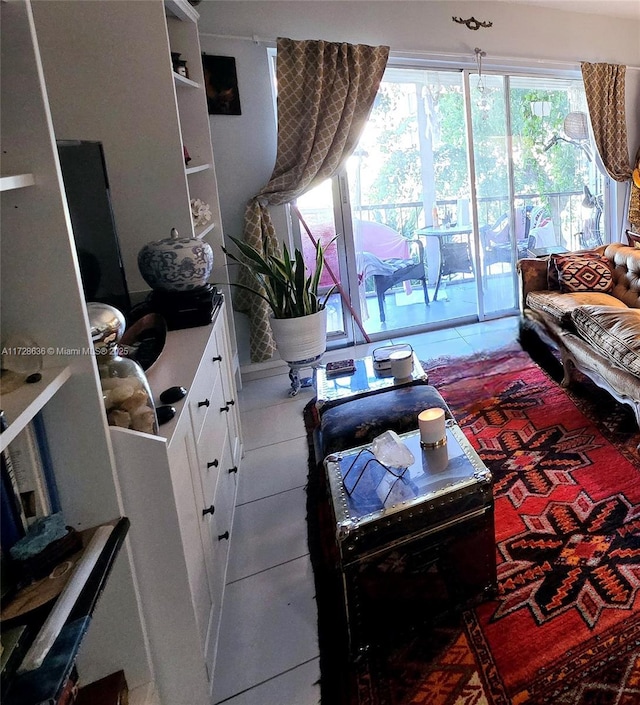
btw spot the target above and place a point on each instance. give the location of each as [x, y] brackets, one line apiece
[176, 263]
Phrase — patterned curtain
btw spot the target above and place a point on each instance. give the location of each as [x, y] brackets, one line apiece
[634, 199]
[604, 85]
[325, 94]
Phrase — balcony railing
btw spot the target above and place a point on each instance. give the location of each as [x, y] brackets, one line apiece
[565, 209]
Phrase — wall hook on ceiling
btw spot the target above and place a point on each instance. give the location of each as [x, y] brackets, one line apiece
[472, 22]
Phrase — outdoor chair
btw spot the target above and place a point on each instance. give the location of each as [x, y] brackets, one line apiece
[534, 228]
[390, 258]
[633, 238]
[591, 235]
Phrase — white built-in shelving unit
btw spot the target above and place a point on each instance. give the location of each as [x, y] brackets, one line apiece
[41, 300]
[103, 72]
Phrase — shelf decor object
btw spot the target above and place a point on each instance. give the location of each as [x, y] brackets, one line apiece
[201, 212]
[127, 397]
[20, 361]
[176, 263]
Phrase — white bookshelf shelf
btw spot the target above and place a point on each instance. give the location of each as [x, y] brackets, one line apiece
[181, 9]
[195, 169]
[22, 404]
[183, 82]
[14, 181]
[205, 231]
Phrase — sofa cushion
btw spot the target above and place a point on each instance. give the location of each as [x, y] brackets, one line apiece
[626, 273]
[559, 306]
[613, 331]
[586, 271]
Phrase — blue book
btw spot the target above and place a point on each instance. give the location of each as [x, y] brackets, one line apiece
[12, 525]
[47, 465]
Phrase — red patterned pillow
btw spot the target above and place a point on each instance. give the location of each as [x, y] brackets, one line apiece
[584, 272]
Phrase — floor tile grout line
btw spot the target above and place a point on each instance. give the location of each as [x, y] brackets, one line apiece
[264, 570]
[459, 337]
[274, 494]
[266, 680]
[268, 445]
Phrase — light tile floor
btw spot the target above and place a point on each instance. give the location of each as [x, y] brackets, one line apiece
[268, 648]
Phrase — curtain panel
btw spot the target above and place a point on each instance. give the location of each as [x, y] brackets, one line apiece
[604, 86]
[325, 94]
[634, 199]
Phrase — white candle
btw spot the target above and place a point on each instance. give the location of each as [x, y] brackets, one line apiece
[401, 363]
[431, 423]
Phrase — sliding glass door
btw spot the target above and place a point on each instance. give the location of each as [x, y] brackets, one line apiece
[457, 174]
[497, 232]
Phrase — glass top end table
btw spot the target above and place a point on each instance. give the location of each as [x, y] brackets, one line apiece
[365, 379]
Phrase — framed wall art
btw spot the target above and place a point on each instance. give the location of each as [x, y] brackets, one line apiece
[221, 84]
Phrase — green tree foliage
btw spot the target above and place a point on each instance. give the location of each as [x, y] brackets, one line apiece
[536, 171]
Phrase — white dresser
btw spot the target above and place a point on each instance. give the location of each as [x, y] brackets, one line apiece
[179, 489]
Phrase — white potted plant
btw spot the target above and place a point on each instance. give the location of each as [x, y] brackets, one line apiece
[299, 320]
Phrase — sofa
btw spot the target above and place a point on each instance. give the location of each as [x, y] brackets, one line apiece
[586, 306]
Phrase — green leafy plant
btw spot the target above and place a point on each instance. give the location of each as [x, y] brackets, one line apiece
[282, 281]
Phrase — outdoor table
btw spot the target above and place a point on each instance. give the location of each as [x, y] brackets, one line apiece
[455, 254]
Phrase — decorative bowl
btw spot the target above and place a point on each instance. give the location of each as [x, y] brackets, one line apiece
[144, 340]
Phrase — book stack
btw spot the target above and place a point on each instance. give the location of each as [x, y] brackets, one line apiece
[28, 488]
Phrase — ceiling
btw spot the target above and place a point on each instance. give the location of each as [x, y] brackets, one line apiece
[611, 8]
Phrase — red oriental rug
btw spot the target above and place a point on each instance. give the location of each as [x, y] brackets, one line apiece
[565, 626]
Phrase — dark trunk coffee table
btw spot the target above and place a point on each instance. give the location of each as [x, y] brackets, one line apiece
[403, 539]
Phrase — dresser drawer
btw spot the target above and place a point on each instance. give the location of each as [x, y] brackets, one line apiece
[225, 499]
[211, 443]
[230, 391]
[200, 396]
[219, 536]
[189, 494]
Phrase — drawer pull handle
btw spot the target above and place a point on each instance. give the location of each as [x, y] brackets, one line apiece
[206, 402]
[233, 469]
[208, 510]
[231, 402]
[216, 358]
[224, 536]
[224, 408]
[213, 464]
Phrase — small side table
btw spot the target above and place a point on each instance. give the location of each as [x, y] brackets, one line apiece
[365, 380]
[391, 531]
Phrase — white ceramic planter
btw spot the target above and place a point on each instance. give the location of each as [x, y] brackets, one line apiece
[303, 338]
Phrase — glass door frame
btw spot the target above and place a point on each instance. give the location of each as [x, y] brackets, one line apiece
[475, 221]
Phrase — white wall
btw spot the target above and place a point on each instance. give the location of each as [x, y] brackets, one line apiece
[245, 145]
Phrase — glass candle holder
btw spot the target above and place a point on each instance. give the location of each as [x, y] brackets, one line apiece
[125, 389]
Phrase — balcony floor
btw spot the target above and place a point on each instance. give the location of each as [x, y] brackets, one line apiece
[456, 303]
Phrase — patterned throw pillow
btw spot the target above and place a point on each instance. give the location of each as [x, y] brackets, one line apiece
[587, 271]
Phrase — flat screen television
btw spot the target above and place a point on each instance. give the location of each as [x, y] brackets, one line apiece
[86, 186]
